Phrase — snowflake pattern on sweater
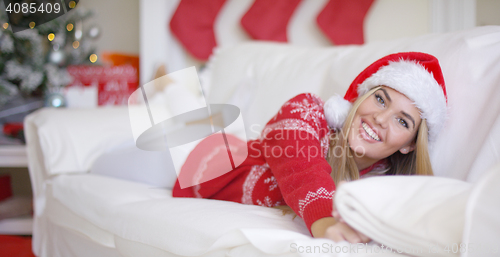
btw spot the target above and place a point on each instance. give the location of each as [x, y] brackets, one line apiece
[310, 108]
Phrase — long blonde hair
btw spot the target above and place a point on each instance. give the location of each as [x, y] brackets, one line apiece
[340, 155]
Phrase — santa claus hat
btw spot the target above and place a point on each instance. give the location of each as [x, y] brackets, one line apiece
[416, 75]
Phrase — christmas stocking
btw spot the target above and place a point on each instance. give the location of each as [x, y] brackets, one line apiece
[193, 24]
[342, 20]
[267, 20]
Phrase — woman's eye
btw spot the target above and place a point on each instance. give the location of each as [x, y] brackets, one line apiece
[380, 99]
[403, 122]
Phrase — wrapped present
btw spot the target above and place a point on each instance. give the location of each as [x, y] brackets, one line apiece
[113, 85]
[12, 129]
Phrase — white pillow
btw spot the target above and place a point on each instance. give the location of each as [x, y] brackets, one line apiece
[419, 215]
[128, 162]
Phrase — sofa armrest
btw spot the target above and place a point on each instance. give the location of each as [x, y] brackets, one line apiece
[70, 140]
[67, 140]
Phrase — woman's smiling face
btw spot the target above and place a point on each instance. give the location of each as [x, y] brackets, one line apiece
[385, 122]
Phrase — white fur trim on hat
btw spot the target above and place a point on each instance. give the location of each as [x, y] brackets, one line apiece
[416, 83]
[336, 111]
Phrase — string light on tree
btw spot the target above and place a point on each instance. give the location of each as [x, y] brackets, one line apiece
[93, 58]
[76, 44]
[5, 25]
[51, 36]
[72, 4]
[32, 25]
[69, 27]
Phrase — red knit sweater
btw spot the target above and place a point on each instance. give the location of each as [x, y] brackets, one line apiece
[285, 166]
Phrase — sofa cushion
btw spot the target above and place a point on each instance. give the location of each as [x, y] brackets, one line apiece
[137, 218]
[183, 226]
[482, 233]
[128, 162]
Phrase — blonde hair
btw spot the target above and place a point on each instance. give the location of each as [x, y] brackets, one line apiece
[340, 155]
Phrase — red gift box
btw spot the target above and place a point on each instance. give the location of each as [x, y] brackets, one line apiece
[12, 129]
[115, 83]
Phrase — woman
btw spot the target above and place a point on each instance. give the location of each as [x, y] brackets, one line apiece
[399, 106]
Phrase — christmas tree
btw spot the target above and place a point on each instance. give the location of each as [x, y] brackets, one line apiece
[33, 62]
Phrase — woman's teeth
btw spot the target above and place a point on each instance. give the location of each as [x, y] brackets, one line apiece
[370, 132]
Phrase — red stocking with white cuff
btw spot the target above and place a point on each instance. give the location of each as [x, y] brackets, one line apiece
[268, 19]
[342, 20]
[193, 24]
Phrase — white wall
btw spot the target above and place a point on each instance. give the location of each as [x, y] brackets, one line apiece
[452, 15]
[488, 12]
[158, 45]
[387, 19]
[119, 23]
[391, 19]
[134, 26]
[140, 26]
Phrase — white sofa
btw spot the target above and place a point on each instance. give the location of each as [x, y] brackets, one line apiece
[80, 213]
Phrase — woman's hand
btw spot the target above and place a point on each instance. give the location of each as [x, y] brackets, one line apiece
[343, 232]
[336, 229]
[319, 227]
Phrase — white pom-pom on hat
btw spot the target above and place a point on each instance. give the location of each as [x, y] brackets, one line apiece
[336, 111]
